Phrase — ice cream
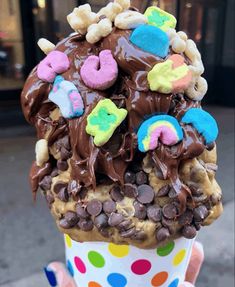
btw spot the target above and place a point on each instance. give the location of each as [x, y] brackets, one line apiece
[125, 152]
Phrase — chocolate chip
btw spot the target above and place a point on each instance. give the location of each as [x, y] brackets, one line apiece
[172, 193]
[85, 224]
[74, 188]
[197, 226]
[63, 142]
[141, 177]
[186, 218]
[63, 194]
[104, 232]
[136, 167]
[162, 234]
[109, 206]
[200, 213]
[45, 183]
[163, 191]
[62, 165]
[200, 199]
[116, 193]
[61, 121]
[169, 224]
[129, 177]
[140, 235]
[195, 190]
[94, 207]
[59, 186]
[169, 211]
[50, 198]
[101, 221]
[128, 233]
[208, 204]
[130, 190]
[140, 210]
[215, 199]
[71, 217]
[154, 213]
[64, 223]
[210, 146]
[115, 219]
[159, 173]
[126, 224]
[65, 154]
[81, 212]
[54, 172]
[189, 231]
[145, 194]
[83, 193]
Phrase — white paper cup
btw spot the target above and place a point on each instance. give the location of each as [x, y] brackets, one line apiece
[100, 264]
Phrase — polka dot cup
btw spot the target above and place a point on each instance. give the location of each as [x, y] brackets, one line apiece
[96, 264]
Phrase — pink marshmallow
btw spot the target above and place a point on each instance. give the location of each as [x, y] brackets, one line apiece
[56, 62]
[165, 134]
[101, 72]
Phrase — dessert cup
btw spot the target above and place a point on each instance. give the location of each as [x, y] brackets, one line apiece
[100, 264]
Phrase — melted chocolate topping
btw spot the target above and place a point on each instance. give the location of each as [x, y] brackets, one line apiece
[131, 92]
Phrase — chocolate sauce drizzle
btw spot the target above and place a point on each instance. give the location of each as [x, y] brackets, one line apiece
[131, 92]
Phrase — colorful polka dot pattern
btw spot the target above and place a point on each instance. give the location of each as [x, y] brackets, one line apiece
[68, 241]
[80, 265]
[179, 257]
[119, 250]
[95, 264]
[141, 267]
[96, 259]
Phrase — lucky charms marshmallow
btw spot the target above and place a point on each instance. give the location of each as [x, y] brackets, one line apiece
[125, 152]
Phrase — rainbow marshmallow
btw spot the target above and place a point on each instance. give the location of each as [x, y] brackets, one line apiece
[162, 127]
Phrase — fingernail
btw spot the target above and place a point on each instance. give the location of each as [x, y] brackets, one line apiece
[50, 276]
[186, 284]
[199, 247]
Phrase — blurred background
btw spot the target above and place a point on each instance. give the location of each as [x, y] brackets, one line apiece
[28, 237]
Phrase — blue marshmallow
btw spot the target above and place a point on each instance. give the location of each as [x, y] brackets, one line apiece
[203, 122]
[151, 39]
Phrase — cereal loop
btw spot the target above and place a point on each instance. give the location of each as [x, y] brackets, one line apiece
[110, 11]
[42, 153]
[197, 90]
[45, 45]
[129, 20]
[98, 31]
[81, 18]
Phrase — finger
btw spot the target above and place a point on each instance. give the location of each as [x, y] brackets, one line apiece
[195, 263]
[58, 276]
[186, 284]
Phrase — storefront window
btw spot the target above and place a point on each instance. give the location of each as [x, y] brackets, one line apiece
[11, 46]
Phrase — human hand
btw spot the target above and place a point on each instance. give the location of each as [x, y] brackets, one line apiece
[58, 275]
[195, 264]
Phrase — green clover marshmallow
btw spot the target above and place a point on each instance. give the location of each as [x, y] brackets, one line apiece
[103, 121]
